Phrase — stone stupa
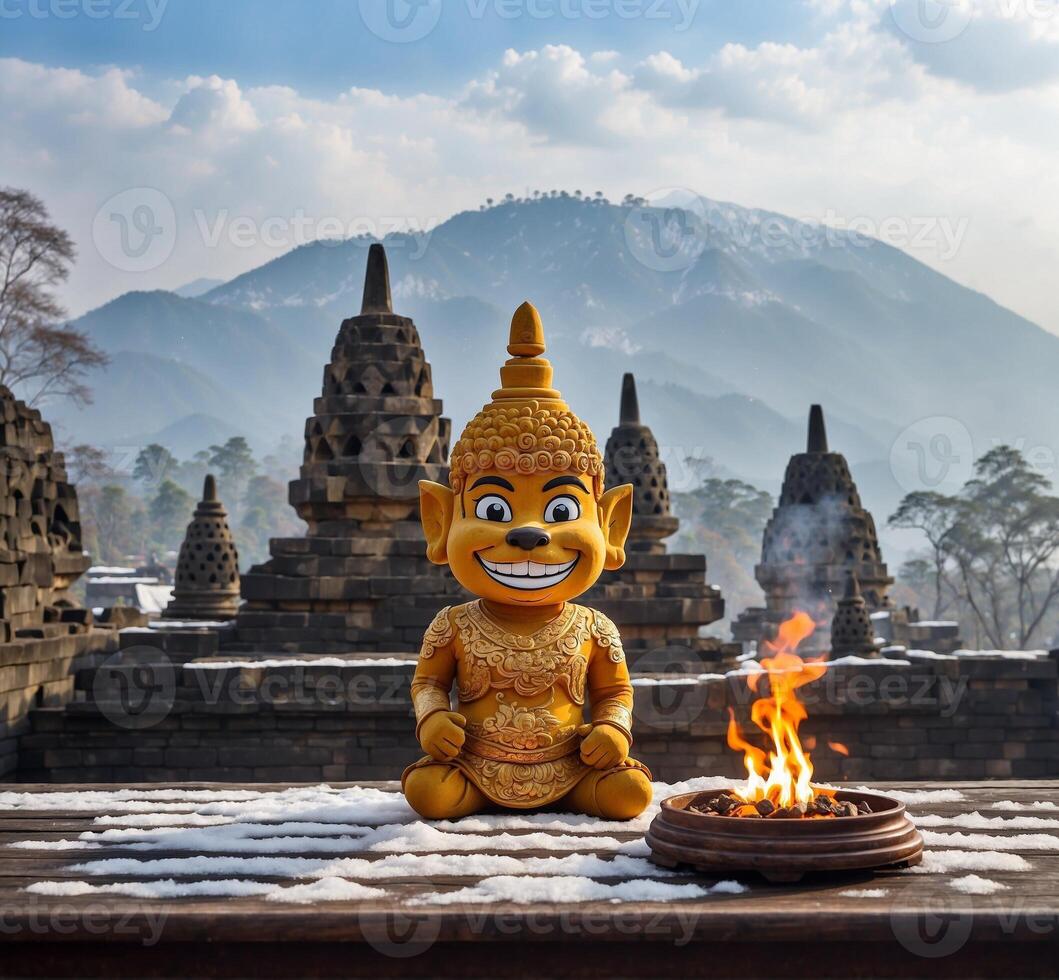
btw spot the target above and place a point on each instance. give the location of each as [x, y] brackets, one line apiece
[852, 633]
[660, 601]
[206, 585]
[818, 534]
[359, 580]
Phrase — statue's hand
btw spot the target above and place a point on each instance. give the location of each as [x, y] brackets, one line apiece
[604, 747]
[442, 735]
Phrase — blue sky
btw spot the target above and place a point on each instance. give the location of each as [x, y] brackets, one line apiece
[246, 127]
[322, 46]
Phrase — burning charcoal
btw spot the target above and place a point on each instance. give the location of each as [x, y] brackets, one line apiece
[782, 813]
[764, 807]
[864, 808]
[798, 810]
[845, 809]
[724, 803]
[824, 804]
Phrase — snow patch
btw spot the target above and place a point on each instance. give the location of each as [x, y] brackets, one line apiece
[976, 821]
[985, 842]
[522, 891]
[975, 885]
[941, 862]
[914, 796]
[298, 662]
[865, 893]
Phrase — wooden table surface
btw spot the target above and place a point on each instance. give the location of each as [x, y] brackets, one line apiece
[986, 901]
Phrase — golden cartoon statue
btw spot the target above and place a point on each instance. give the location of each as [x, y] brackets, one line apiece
[527, 527]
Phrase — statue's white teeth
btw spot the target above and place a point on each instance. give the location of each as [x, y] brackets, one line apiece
[528, 574]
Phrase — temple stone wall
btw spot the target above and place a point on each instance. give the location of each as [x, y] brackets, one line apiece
[966, 718]
[41, 629]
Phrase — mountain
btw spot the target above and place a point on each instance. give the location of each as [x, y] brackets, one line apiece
[732, 333]
[204, 360]
[197, 287]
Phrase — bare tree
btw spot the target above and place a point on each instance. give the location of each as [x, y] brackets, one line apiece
[40, 355]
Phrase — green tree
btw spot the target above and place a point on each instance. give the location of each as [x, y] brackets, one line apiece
[170, 512]
[87, 464]
[266, 514]
[234, 460]
[995, 544]
[935, 516]
[154, 464]
[115, 521]
[725, 518]
[735, 511]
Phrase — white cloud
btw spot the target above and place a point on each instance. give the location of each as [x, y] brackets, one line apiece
[856, 124]
[988, 45]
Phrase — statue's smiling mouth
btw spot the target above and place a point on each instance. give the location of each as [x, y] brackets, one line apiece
[528, 574]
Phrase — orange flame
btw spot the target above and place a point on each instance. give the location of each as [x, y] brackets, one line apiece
[784, 773]
[838, 747]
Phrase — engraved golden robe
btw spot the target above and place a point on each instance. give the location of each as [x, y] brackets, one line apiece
[523, 697]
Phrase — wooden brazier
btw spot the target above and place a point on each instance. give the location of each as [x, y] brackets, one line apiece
[784, 850]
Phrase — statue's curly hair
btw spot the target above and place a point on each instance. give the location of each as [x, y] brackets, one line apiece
[526, 439]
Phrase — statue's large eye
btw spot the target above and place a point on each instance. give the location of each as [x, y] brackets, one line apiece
[562, 509]
[493, 508]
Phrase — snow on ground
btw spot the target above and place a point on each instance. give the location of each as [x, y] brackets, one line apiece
[336, 844]
[1035, 805]
[522, 891]
[1003, 654]
[988, 842]
[974, 885]
[676, 680]
[975, 821]
[918, 796]
[391, 866]
[300, 662]
[328, 889]
[940, 862]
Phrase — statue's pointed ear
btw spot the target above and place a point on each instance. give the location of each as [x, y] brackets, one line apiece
[435, 509]
[615, 515]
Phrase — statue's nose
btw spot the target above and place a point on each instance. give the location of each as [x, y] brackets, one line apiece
[527, 538]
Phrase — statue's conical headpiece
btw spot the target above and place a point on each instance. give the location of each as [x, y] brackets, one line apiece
[527, 427]
[527, 376]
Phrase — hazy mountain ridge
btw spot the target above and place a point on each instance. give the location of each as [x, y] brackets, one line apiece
[730, 349]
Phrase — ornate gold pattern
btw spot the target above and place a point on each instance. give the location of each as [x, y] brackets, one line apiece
[439, 634]
[427, 699]
[518, 727]
[607, 636]
[614, 713]
[526, 439]
[517, 785]
[497, 659]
